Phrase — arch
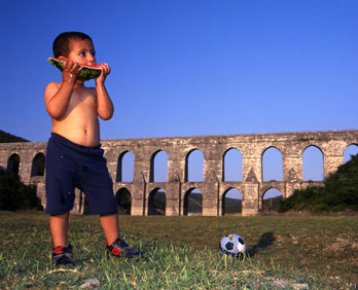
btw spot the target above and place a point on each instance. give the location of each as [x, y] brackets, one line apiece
[351, 150]
[194, 166]
[13, 165]
[232, 202]
[124, 201]
[330, 145]
[157, 202]
[272, 164]
[159, 167]
[193, 202]
[125, 167]
[313, 163]
[38, 165]
[232, 165]
[271, 199]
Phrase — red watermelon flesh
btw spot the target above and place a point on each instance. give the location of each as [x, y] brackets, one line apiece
[86, 72]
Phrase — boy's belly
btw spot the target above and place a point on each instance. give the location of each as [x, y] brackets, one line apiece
[87, 135]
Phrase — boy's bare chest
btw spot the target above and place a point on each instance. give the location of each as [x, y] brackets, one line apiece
[82, 100]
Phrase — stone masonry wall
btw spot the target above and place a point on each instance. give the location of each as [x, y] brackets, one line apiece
[252, 147]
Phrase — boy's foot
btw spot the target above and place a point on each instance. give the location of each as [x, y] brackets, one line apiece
[62, 256]
[119, 248]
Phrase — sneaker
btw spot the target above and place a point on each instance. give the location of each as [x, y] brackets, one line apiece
[62, 256]
[119, 248]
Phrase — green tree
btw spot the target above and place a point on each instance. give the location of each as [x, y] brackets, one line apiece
[339, 192]
[15, 195]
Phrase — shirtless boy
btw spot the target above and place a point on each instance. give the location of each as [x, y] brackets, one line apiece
[74, 157]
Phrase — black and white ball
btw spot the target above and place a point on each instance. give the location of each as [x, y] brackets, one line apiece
[232, 245]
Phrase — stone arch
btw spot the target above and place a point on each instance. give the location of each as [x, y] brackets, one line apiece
[272, 164]
[159, 167]
[232, 165]
[157, 202]
[124, 201]
[232, 201]
[193, 202]
[13, 165]
[194, 166]
[313, 163]
[271, 199]
[38, 165]
[125, 167]
[332, 143]
[349, 151]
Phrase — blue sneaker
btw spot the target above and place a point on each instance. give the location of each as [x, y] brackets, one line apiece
[119, 248]
[62, 256]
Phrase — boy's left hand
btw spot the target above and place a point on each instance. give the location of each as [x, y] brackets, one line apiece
[106, 70]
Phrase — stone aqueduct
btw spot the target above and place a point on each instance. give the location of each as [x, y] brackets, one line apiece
[22, 158]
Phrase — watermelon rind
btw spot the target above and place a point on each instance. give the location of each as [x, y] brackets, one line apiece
[86, 73]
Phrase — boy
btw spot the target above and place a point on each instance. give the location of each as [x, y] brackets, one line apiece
[74, 157]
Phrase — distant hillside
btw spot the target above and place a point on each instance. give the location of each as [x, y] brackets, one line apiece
[8, 138]
[339, 193]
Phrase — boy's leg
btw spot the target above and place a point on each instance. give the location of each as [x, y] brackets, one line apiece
[110, 227]
[62, 250]
[115, 245]
[59, 229]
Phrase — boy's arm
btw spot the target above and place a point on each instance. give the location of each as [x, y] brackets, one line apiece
[57, 97]
[105, 107]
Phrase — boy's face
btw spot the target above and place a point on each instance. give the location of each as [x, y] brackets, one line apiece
[82, 52]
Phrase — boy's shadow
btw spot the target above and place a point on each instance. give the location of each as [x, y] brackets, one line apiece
[265, 241]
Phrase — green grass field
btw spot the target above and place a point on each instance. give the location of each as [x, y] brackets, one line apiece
[287, 252]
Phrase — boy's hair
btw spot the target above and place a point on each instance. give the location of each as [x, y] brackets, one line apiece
[61, 43]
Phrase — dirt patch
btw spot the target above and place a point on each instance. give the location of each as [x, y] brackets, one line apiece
[340, 245]
[270, 282]
[294, 240]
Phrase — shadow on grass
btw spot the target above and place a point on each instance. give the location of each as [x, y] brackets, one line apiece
[266, 240]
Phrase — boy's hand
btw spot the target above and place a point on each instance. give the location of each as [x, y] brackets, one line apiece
[106, 70]
[70, 71]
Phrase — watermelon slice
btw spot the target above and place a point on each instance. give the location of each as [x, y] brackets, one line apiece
[86, 73]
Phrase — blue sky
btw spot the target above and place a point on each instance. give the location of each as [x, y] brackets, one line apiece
[191, 67]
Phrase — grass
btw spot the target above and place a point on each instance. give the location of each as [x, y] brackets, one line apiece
[286, 252]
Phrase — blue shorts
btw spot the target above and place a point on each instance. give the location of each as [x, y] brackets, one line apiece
[69, 165]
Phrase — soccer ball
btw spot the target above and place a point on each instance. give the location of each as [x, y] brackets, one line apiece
[232, 245]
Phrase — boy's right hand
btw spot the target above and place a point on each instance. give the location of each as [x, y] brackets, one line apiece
[70, 71]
